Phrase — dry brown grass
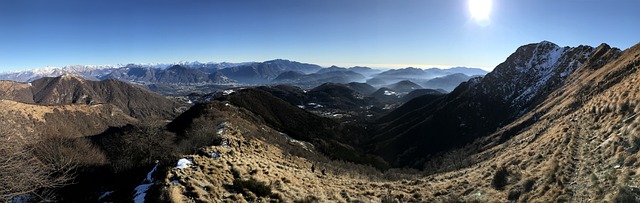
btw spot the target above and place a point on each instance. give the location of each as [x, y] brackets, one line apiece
[582, 148]
[67, 120]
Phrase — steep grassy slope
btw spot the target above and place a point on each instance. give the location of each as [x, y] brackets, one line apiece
[580, 144]
[31, 120]
[257, 155]
[68, 89]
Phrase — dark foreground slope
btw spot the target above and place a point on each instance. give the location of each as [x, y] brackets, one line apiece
[332, 138]
[48, 121]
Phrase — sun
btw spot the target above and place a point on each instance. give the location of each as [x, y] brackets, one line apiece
[480, 10]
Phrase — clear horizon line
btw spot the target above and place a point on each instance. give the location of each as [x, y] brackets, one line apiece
[325, 65]
[401, 65]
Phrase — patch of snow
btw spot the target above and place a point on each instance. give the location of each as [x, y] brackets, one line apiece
[389, 93]
[221, 127]
[208, 97]
[306, 145]
[184, 163]
[301, 106]
[541, 67]
[105, 194]
[149, 178]
[564, 74]
[227, 92]
[21, 199]
[141, 190]
[189, 102]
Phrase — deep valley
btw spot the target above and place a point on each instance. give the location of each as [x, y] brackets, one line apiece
[549, 124]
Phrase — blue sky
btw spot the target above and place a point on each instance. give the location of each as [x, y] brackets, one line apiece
[390, 33]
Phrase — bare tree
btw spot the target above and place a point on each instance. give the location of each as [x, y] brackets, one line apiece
[21, 172]
[7, 90]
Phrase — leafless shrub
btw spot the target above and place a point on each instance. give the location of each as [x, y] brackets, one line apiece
[202, 132]
[65, 155]
[451, 160]
[396, 174]
[139, 146]
[22, 173]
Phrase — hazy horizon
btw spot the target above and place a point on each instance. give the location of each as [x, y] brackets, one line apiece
[374, 66]
[387, 34]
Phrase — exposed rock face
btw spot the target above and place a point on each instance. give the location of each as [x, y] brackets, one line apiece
[532, 72]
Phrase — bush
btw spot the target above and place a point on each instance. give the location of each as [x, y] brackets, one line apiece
[514, 194]
[500, 178]
[635, 144]
[132, 147]
[22, 173]
[388, 199]
[65, 155]
[308, 199]
[625, 196]
[201, 133]
[258, 188]
[528, 184]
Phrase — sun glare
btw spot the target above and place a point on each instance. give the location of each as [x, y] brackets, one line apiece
[480, 11]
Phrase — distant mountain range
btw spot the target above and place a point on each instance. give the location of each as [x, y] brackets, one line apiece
[278, 71]
[432, 78]
[97, 72]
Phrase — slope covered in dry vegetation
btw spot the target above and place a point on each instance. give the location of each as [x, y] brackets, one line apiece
[567, 132]
[578, 144]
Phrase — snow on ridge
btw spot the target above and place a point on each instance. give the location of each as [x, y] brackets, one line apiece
[30, 74]
[390, 93]
[105, 194]
[548, 65]
[543, 66]
[305, 145]
[228, 92]
[141, 190]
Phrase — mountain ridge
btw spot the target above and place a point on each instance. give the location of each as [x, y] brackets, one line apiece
[69, 89]
[513, 88]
